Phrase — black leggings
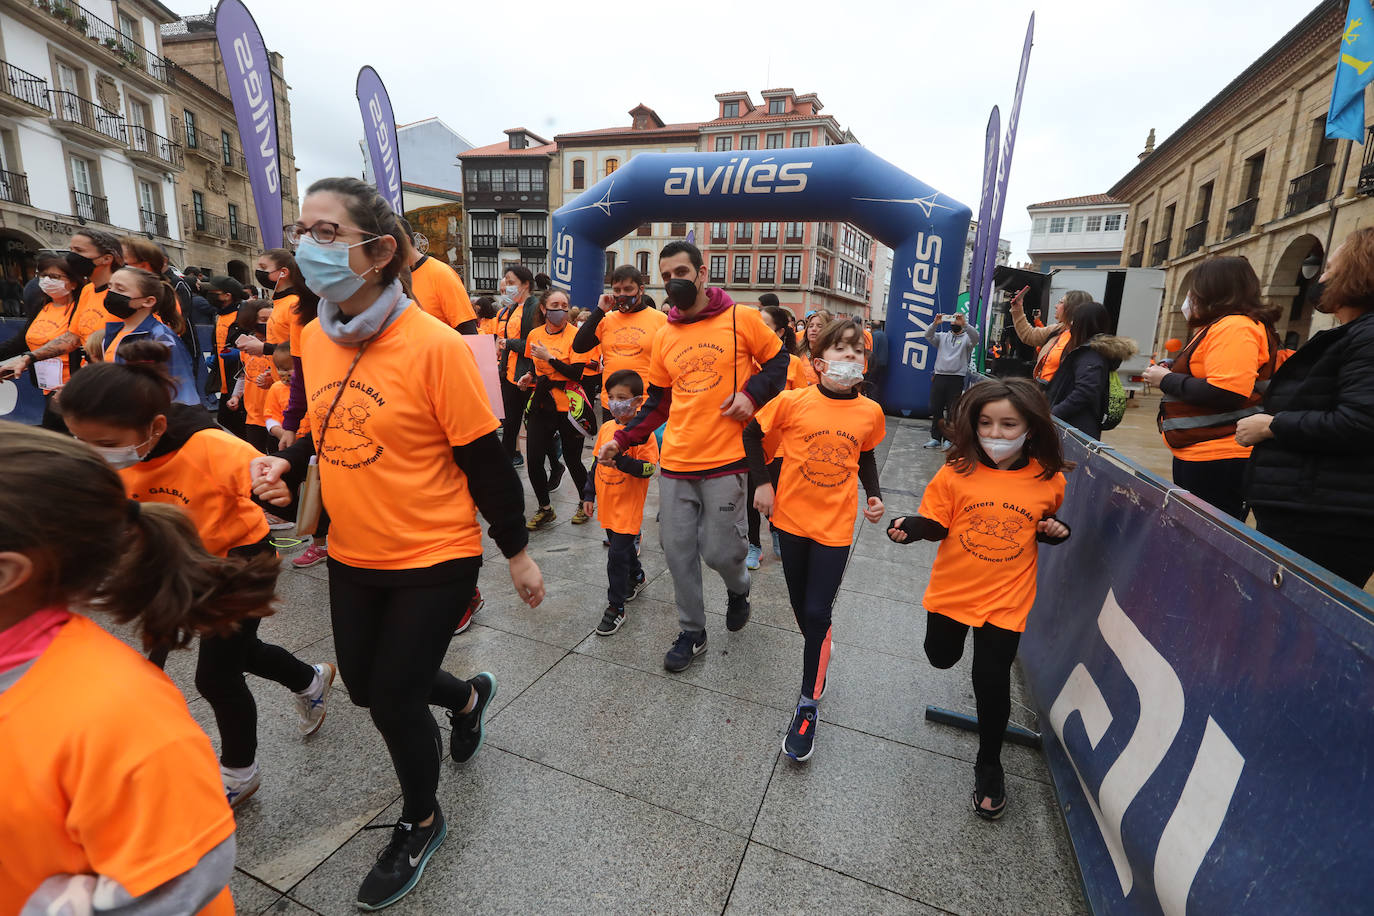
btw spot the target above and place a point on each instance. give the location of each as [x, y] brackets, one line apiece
[813, 572]
[945, 391]
[391, 630]
[540, 429]
[994, 649]
[1220, 482]
[756, 520]
[220, 669]
[513, 400]
[232, 420]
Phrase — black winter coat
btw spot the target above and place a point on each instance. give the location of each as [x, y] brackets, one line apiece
[1078, 392]
[1321, 459]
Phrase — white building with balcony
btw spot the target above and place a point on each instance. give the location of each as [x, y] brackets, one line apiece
[1077, 232]
[85, 134]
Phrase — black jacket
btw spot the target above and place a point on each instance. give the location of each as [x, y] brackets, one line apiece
[1321, 459]
[1078, 391]
[515, 340]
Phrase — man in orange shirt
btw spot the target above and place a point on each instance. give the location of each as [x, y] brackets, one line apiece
[623, 324]
[702, 381]
[436, 287]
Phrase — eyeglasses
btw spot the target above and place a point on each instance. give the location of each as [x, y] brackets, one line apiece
[323, 232]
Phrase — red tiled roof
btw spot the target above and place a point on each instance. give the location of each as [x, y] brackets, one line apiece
[768, 92]
[1085, 201]
[686, 127]
[761, 116]
[503, 149]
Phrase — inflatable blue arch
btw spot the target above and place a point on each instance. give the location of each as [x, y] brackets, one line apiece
[926, 230]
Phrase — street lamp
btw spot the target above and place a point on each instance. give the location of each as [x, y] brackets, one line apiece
[1311, 266]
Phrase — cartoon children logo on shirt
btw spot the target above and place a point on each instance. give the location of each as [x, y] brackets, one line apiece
[994, 534]
[697, 368]
[348, 442]
[627, 342]
[827, 459]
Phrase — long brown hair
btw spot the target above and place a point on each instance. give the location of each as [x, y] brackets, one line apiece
[803, 339]
[1227, 286]
[1042, 439]
[307, 303]
[129, 395]
[841, 330]
[66, 509]
[156, 285]
[1350, 280]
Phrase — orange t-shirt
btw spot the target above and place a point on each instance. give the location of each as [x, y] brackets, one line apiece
[800, 373]
[222, 325]
[116, 782]
[627, 341]
[254, 395]
[90, 313]
[278, 396]
[486, 325]
[207, 478]
[620, 496]
[592, 355]
[868, 346]
[984, 569]
[1049, 362]
[509, 327]
[823, 438]
[700, 360]
[1231, 356]
[559, 346]
[397, 498]
[51, 322]
[283, 310]
[439, 291]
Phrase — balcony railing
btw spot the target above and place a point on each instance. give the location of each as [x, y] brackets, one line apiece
[791, 279]
[823, 281]
[484, 241]
[742, 277]
[1137, 259]
[14, 187]
[155, 146]
[796, 239]
[24, 86]
[212, 147]
[70, 108]
[153, 222]
[826, 241]
[1195, 237]
[534, 241]
[243, 233]
[123, 47]
[206, 223]
[1366, 185]
[509, 240]
[1309, 189]
[1159, 251]
[1241, 218]
[717, 278]
[90, 207]
[767, 278]
[720, 238]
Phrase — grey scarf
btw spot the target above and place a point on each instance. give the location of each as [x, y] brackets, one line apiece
[368, 323]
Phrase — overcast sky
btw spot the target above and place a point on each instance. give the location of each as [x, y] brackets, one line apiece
[914, 80]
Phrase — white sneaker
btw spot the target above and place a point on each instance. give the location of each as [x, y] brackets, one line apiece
[310, 706]
[277, 523]
[238, 790]
[933, 443]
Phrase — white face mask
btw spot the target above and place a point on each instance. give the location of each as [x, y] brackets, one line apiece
[53, 286]
[121, 456]
[1187, 308]
[1000, 449]
[512, 291]
[844, 372]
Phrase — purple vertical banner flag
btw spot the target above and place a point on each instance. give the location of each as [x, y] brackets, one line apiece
[255, 109]
[980, 235]
[379, 125]
[1003, 174]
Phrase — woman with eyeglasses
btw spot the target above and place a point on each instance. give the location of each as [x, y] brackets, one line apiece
[407, 454]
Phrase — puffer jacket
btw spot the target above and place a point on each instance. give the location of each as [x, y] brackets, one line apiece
[1321, 459]
[1078, 392]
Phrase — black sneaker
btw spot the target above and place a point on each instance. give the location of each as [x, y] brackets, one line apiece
[611, 620]
[637, 586]
[469, 728]
[801, 737]
[402, 862]
[518, 461]
[556, 476]
[686, 647]
[989, 786]
[736, 611]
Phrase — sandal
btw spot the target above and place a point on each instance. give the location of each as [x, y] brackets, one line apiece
[988, 786]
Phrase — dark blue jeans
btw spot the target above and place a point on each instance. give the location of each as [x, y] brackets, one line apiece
[622, 567]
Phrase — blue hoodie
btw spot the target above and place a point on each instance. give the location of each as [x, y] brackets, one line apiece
[179, 365]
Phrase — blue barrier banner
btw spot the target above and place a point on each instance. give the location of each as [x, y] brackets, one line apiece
[1207, 703]
[925, 229]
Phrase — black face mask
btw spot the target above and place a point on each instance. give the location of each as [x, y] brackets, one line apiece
[1315, 289]
[681, 293]
[262, 328]
[80, 264]
[957, 328]
[626, 303]
[265, 279]
[118, 305]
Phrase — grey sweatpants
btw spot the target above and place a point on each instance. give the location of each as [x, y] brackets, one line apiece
[703, 520]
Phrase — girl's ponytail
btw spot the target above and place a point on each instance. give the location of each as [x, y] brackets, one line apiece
[175, 589]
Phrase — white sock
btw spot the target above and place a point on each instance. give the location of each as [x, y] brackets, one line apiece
[315, 684]
[239, 774]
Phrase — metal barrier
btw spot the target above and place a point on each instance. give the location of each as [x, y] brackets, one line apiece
[1207, 702]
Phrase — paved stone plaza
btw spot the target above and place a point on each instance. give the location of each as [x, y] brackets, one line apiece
[608, 785]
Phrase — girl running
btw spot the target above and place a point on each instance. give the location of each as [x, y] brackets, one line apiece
[407, 454]
[829, 432]
[988, 506]
[779, 321]
[47, 347]
[145, 308]
[174, 454]
[551, 348]
[112, 800]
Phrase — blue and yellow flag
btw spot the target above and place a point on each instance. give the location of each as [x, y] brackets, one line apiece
[1354, 71]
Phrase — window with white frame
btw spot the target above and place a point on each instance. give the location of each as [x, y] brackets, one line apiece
[1056, 224]
[749, 141]
[1113, 223]
[717, 268]
[768, 266]
[742, 268]
[1039, 224]
[1075, 224]
[1093, 224]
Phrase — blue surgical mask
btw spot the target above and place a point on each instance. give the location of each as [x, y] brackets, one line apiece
[326, 268]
